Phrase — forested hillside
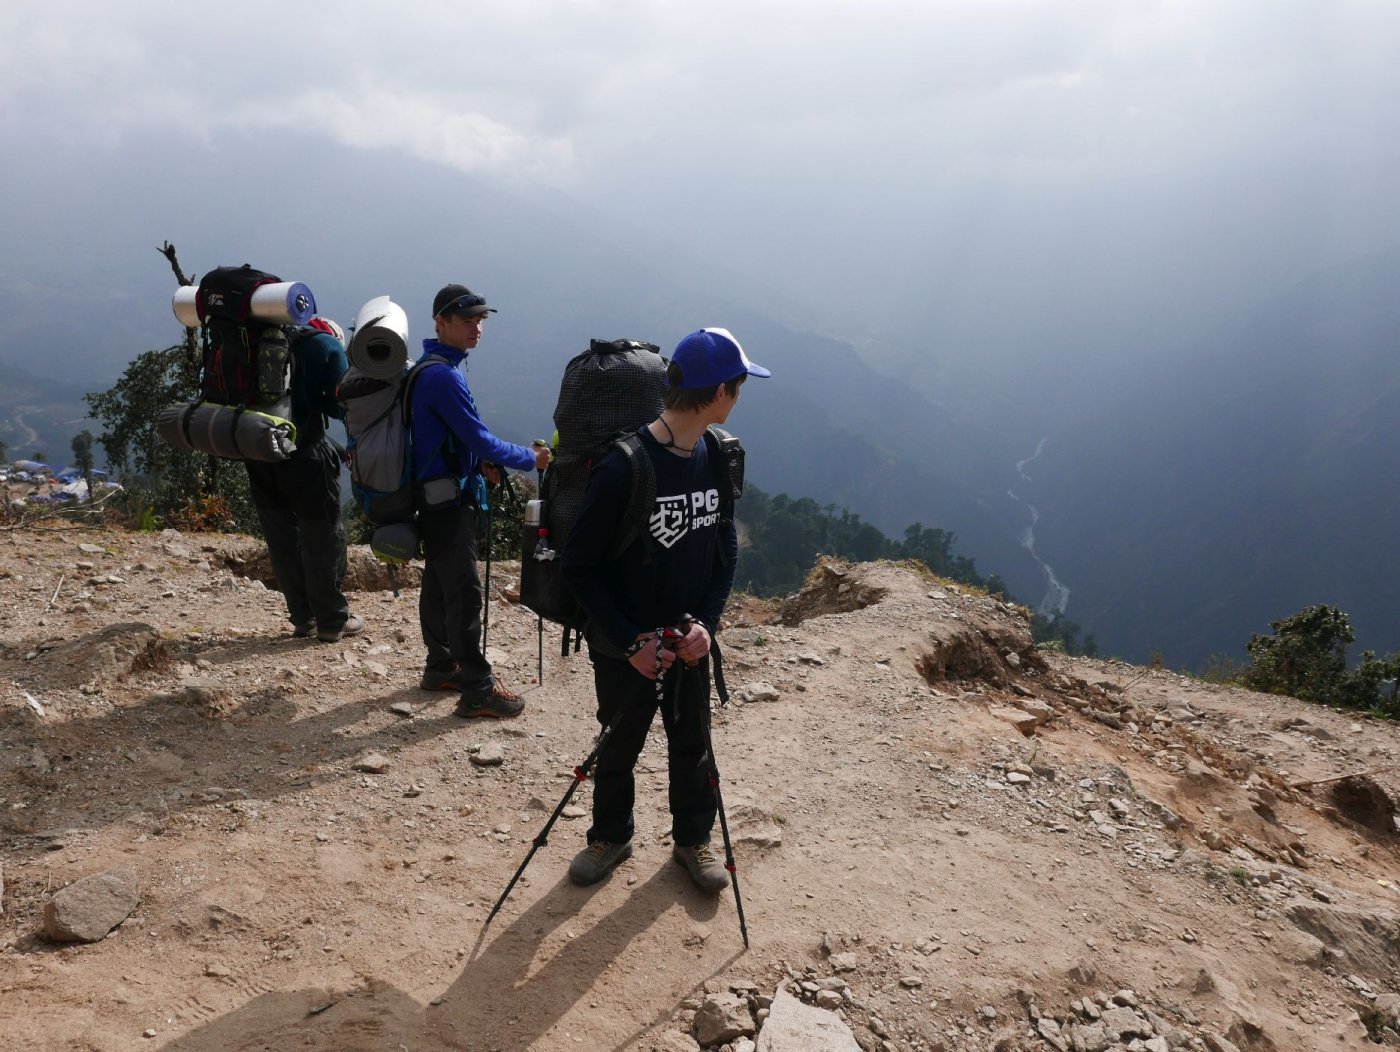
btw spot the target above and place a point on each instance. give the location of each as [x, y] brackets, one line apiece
[782, 537]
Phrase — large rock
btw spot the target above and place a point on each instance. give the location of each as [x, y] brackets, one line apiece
[833, 586]
[749, 824]
[1370, 939]
[248, 557]
[792, 1026]
[109, 654]
[89, 908]
[1387, 1006]
[722, 1018]
[1363, 800]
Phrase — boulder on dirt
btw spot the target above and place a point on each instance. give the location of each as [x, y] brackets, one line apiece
[1300, 947]
[759, 690]
[723, 1017]
[792, 1026]
[89, 908]
[109, 654]
[1360, 798]
[248, 557]
[208, 696]
[1021, 720]
[973, 652]
[749, 824]
[1369, 939]
[833, 586]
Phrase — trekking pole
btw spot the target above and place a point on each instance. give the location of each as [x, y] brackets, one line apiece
[729, 863]
[708, 760]
[539, 618]
[486, 602]
[581, 772]
[486, 597]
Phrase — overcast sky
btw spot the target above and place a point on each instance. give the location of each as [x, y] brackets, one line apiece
[979, 165]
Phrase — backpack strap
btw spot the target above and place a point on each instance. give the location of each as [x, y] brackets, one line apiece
[728, 455]
[640, 498]
[728, 464]
[185, 418]
[406, 398]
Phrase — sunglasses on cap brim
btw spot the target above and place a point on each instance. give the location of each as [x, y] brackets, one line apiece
[463, 304]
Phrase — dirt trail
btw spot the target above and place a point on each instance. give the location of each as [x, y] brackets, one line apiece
[963, 844]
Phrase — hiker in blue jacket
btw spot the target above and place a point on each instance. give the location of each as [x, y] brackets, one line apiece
[454, 454]
[683, 565]
[298, 499]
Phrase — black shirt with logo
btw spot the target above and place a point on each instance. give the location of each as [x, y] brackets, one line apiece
[676, 569]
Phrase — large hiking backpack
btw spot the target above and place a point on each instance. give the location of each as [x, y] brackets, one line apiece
[244, 406]
[611, 389]
[246, 360]
[378, 415]
[542, 588]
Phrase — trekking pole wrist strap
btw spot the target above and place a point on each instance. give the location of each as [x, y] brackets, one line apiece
[637, 645]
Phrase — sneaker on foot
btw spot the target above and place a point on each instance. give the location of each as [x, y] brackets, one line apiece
[498, 702]
[354, 625]
[305, 630]
[705, 869]
[597, 860]
[442, 679]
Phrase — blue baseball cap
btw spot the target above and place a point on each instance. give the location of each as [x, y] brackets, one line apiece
[712, 356]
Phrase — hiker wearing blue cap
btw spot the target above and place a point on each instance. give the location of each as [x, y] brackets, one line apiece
[658, 599]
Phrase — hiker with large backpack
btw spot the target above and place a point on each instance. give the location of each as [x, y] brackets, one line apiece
[298, 499]
[657, 598]
[453, 456]
[268, 374]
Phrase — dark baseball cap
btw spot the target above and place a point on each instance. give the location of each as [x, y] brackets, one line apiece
[458, 299]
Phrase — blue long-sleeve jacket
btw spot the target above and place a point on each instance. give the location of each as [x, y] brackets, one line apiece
[687, 566]
[319, 363]
[443, 409]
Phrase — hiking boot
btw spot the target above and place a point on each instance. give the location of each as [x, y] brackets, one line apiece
[597, 860]
[353, 626]
[704, 868]
[442, 679]
[498, 702]
[305, 630]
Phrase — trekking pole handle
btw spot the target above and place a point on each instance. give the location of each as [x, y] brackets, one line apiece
[678, 631]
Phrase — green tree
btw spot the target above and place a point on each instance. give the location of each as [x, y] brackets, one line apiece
[1306, 657]
[181, 487]
[1060, 633]
[1374, 684]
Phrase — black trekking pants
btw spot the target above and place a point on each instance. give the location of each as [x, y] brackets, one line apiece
[298, 505]
[622, 688]
[449, 603]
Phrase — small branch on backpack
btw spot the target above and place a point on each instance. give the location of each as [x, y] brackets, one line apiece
[168, 251]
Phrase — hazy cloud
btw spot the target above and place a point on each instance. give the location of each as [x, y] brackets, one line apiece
[957, 152]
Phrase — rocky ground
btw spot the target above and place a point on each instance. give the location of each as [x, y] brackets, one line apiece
[214, 836]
